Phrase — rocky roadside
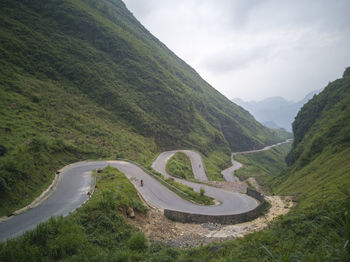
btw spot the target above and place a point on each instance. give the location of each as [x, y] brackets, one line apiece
[160, 229]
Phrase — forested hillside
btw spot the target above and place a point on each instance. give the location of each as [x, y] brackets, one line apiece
[84, 79]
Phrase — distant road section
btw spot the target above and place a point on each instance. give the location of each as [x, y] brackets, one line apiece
[229, 172]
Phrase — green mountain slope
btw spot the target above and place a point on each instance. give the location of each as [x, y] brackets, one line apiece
[319, 176]
[84, 79]
[102, 51]
[320, 156]
[318, 227]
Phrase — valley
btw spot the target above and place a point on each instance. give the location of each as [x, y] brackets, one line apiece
[85, 86]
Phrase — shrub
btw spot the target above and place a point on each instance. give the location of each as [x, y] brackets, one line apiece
[137, 241]
[122, 256]
[106, 201]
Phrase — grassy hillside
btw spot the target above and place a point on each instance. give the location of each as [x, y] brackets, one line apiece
[263, 166]
[84, 79]
[319, 174]
[100, 50]
[318, 227]
[43, 127]
[320, 154]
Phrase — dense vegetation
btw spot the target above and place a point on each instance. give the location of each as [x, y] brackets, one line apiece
[84, 79]
[179, 165]
[320, 153]
[323, 123]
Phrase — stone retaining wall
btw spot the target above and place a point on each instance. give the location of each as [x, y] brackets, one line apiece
[255, 194]
[220, 219]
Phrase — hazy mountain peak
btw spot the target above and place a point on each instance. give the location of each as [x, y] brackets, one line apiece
[275, 111]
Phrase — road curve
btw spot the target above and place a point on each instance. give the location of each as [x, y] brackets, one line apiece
[71, 193]
[75, 183]
[197, 164]
[229, 173]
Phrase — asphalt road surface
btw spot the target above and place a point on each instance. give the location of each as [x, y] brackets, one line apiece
[75, 182]
[197, 164]
[229, 173]
[71, 193]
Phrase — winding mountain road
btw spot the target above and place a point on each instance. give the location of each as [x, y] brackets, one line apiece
[75, 182]
[229, 173]
[197, 164]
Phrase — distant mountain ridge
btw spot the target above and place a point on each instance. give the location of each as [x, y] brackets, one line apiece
[275, 112]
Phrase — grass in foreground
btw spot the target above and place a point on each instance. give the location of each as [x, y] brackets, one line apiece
[98, 232]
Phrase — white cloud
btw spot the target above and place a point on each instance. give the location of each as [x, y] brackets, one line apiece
[251, 48]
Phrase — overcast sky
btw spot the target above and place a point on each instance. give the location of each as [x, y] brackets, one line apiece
[253, 49]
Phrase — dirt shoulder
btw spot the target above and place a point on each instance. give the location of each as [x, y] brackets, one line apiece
[160, 229]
